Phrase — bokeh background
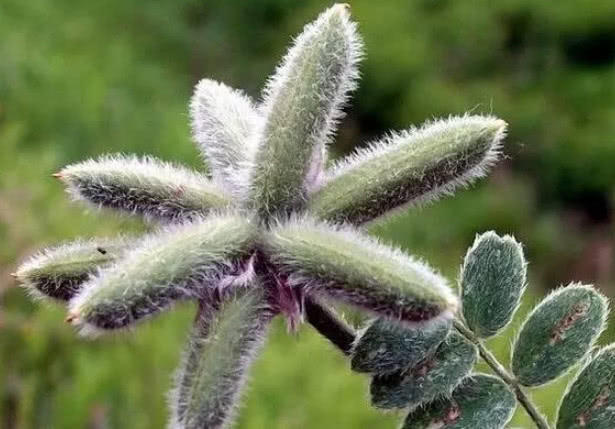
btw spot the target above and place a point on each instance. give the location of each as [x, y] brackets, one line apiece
[82, 78]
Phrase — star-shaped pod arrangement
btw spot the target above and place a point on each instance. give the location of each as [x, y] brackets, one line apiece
[272, 229]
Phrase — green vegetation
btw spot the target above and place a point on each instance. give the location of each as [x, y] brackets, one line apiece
[78, 79]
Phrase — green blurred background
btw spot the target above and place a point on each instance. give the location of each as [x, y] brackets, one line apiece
[81, 78]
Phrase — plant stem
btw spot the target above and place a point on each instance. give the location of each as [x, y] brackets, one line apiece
[329, 325]
[500, 371]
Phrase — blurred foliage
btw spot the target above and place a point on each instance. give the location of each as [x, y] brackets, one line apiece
[81, 78]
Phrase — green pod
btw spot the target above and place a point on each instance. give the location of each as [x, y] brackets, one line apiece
[434, 377]
[558, 334]
[148, 187]
[479, 402]
[386, 346]
[301, 105]
[221, 348]
[346, 265]
[492, 282]
[223, 121]
[408, 169]
[589, 402]
[60, 272]
[184, 261]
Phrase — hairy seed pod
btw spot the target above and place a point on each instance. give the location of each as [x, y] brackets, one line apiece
[220, 350]
[145, 186]
[268, 230]
[346, 265]
[558, 334]
[386, 346]
[223, 121]
[59, 272]
[435, 376]
[409, 168]
[589, 402]
[480, 401]
[183, 261]
[302, 103]
[492, 282]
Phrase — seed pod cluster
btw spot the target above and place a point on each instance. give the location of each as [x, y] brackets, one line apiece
[268, 229]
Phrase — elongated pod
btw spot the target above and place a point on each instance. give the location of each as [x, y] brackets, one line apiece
[145, 186]
[223, 121]
[346, 265]
[409, 168]
[222, 345]
[183, 261]
[302, 103]
[59, 272]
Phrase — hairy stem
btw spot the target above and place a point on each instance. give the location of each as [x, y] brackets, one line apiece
[539, 420]
[329, 325]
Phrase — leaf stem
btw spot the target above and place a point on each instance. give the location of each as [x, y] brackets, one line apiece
[500, 371]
